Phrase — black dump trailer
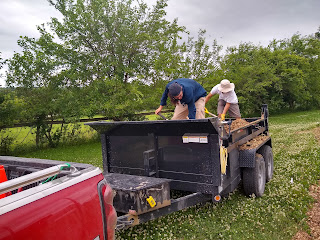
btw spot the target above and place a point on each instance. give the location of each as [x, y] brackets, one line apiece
[144, 160]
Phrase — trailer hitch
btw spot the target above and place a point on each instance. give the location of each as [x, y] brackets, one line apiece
[123, 222]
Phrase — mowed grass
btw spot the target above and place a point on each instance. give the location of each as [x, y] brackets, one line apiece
[85, 153]
[25, 137]
[279, 214]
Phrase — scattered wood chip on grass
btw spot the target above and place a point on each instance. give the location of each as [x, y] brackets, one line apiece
[316, 132]
[314, 213]
[313, 217]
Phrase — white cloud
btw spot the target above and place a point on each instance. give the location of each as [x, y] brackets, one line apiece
[20, 18]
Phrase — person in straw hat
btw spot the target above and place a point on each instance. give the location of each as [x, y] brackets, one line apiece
[188, 96]
[228, 100]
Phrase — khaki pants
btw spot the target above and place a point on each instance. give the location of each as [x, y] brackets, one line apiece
[233, 110]
[181, 111]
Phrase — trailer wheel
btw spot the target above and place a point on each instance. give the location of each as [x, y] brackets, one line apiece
[254, 179]
[266, 152]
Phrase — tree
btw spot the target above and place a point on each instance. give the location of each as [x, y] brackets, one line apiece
[1, 66]
[114, 39]
[118, 43]
[11, 111]
[276, 75]
[194, 59]
[247, 66]
[317, 34]
[37, 75]
[94, 61]
[302, 54]
[200, 61]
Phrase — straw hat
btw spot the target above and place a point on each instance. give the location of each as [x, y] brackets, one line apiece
[225, 86]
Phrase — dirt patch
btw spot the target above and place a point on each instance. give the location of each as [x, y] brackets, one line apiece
[314, 213]
[313, 217]
[302, 236]
[316, 132]
[238, 123]
[253, 143]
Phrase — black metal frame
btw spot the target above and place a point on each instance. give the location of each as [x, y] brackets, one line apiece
[130, 220]
[156, 149]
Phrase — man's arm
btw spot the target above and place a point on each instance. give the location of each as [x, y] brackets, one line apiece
[158, 109]
[164, 97]
[208, 97]
[163, 100]
[192, 110]
[226, 108]
[213, 91]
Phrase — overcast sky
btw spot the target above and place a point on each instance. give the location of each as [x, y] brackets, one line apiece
[228, 21]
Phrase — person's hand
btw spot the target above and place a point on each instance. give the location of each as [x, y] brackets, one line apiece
[158, 110]
[223, 117]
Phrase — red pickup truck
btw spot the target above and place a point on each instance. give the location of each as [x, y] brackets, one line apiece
[54, 200]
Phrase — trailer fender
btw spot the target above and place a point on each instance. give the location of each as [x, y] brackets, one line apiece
[247, 158]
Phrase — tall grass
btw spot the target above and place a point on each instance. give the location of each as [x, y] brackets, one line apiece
[279, 214]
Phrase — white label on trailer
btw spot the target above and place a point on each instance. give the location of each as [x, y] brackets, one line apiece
[194, 138]
[203, 139]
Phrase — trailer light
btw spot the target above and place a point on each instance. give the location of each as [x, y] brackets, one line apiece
[217, 198]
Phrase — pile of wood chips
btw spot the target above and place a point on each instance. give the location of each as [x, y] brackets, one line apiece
[238, 123]
[253, 143]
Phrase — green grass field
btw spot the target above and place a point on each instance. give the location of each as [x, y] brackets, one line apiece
[279, 214]
[24, 138]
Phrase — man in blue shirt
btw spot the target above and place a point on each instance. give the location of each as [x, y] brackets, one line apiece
[188, 96]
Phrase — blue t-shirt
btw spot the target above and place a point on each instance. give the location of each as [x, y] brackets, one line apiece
[192, 91]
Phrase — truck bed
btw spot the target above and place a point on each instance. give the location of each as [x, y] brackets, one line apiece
[73, 204]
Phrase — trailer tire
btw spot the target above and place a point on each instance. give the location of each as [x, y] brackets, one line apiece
[266, 152]
[254, 179]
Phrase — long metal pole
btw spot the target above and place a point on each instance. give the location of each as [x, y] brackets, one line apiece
[30, 178]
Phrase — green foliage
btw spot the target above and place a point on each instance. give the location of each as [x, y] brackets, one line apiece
[113, 98]
[1, 65]
[254, 79]
[104, 49]
[115, 57]
[12, 108]
[96, 61]
[200, 61]
[116, 39]
[6, 142]
[285, 75]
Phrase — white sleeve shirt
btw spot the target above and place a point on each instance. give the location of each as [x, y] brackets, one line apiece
[229, 97]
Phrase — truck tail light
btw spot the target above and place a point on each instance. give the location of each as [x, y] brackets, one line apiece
[110, 214]
[107, 194]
